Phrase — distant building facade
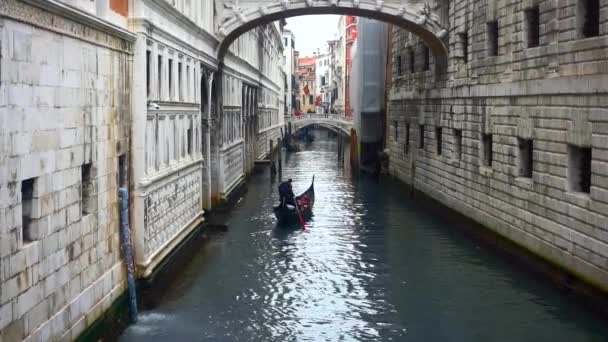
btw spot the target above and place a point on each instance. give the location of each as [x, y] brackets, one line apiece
[291, 68]
[98, 95]
[307, 83]
[515, 133]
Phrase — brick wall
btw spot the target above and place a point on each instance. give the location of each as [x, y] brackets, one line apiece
[548, 91]
[64, 122]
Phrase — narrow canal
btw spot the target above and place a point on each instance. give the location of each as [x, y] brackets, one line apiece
[375, 265]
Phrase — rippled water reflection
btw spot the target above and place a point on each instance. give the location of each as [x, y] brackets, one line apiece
[374, 265]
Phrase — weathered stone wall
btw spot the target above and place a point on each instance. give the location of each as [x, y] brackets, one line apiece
[553, 97]
[64, 124]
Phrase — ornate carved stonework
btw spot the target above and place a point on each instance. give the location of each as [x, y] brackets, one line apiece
[169, 208]
[21, 11]
[233, 165]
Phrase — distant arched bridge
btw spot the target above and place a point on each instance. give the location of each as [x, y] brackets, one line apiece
[335, 122]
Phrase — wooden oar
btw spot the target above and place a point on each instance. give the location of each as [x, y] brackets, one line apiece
[299, 215]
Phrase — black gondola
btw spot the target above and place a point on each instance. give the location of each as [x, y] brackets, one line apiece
[305, 202]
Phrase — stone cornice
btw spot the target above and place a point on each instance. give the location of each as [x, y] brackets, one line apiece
[74, 14]
[588, 85]
[203, 57]
[169, 11]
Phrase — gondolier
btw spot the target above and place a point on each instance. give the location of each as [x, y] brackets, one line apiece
[286, 193]
[300, 207]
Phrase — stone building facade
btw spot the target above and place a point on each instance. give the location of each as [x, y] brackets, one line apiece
[515, 133]
[97, 95]
[64, 149]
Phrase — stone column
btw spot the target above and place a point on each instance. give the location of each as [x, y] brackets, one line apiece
[216, 133]
[153, 71]
[175, 83]
[164, 72]
[207, 128]
[182, 83]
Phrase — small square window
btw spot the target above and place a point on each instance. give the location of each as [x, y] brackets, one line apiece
[421, 136]
[457, 144]
[532, 26]
[525, 157]
[439, 139]
[486, 146]
[579, 169]
[492, 37]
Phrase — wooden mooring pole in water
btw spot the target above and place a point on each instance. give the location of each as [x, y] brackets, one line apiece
[280, 156]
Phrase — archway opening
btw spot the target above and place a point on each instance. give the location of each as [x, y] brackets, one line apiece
[428, 22]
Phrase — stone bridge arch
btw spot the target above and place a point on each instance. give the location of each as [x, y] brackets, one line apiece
[332, 127]
[421, 17]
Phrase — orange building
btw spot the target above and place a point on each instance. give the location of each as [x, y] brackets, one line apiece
[307, 86]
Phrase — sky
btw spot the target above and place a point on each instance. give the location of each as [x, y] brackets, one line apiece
[312, 31]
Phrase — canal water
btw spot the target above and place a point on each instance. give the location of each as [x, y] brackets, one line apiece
[374, 265]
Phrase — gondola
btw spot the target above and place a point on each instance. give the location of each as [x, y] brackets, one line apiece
[305, 203]
[293, 148]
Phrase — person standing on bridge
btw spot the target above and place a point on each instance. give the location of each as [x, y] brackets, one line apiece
[286, 193]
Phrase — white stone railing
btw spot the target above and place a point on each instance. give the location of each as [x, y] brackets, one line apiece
[323, 117]
[339, 121]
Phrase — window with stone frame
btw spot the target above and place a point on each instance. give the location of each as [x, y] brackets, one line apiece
[399, 66]
[159, 75]
[189, 139]
[148, 71]
[406, 146]
[525, 157]
[579, 169]
[486, 149]
[396, 126]
[187, 87]
[421, 136]
[463, 45]
[532, 26]
[86, 189]
[492, 38]
[27, 204]
[412, 60]
[170, 65]
[426, 54]
[588, 18]
[180, 91]
[439, 139]
[457, 144]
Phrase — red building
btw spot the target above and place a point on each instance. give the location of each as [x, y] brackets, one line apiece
[351, 37]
